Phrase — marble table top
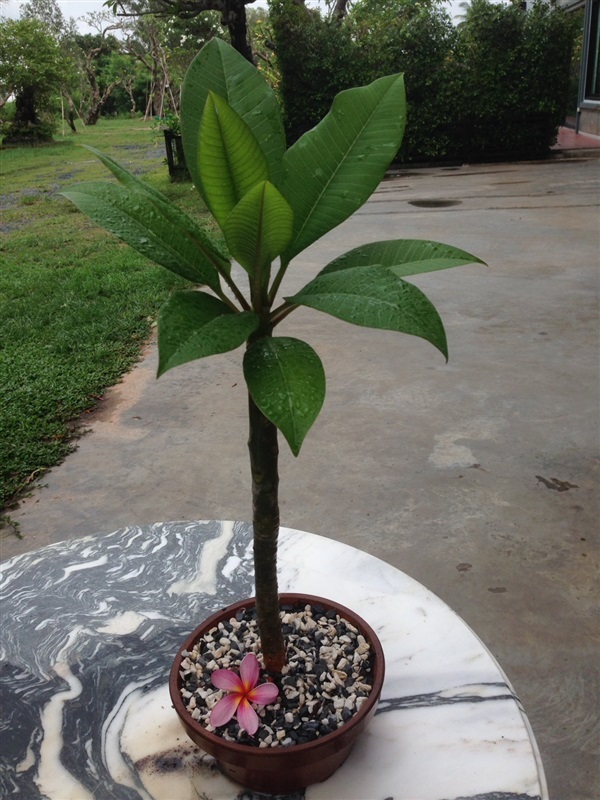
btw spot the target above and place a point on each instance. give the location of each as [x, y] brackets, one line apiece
[90, 627]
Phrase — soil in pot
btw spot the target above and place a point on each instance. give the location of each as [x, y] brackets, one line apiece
[327, 692]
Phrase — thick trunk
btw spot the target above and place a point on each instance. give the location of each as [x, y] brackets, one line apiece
[25, 111]
[97, 103]
[26, 128]
[91, 118]
[234, 17]
[264, 453]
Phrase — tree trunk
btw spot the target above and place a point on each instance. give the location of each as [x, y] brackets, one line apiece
[234, 17]
[264, 453]
[340, 10]
[25, 112]
[71, 113]
[91, 118]
[157, 91]
[98, 102]
[26, 127]
[149, 104]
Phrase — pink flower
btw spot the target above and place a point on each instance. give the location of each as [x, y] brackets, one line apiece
[243, 691]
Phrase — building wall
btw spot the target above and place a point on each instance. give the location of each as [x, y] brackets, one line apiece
[588, 112]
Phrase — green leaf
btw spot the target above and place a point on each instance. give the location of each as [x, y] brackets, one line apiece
[286, 380]
[194, 325]
[403, 257]
[259, 228]
[207, 245]
[221, 69]
[139, 223]
[376, 298]
[334, 168]
[229, 158]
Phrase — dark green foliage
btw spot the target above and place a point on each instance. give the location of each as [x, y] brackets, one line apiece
[495, 85]
[317, 58]
[20, 132]
[514, 78]
[419, 40]
[31, 68]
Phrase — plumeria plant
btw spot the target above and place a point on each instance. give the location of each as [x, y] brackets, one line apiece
[271, 203]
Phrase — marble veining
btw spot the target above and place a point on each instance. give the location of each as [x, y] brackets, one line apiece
[90, 627]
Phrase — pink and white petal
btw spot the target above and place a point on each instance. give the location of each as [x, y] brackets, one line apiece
[228, 680]
[247, 717]
[249, 671]
[224, 709]
[263, 694]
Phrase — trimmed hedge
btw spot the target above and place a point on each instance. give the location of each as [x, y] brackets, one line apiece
[495, 85]
[515, 75]
[317, 58]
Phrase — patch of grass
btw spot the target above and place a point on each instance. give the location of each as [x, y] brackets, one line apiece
[76, 304]
[132, 142]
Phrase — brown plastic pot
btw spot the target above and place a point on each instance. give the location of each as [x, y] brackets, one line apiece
[281, 769]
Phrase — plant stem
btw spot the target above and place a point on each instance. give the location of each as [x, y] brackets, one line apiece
[239, 296]
[281, 313]
[264, 452]
[278, 278]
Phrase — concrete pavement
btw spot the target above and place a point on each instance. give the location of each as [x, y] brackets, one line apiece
[478, 478]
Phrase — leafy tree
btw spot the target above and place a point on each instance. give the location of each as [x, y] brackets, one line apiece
[95, 51]
[146, 44]
[48, 12]
[260, 34]
[129, 95]
[32, 67]
[233, 15]
[165, 47]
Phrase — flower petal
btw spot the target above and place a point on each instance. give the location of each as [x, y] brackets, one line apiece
[224, 709]
[249, 671]
[247, 717]
[263, 694]
[228, 680]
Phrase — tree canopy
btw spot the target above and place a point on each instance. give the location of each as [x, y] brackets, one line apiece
[30, 57]
[32, 67]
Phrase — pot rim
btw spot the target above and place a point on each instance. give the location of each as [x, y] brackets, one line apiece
[269, 753]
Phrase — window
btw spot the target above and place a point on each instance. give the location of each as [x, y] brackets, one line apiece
[592, 39]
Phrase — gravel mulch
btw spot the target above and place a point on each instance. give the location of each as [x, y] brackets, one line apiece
[328, 675]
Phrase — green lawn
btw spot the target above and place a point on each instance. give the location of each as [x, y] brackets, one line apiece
[76, 304]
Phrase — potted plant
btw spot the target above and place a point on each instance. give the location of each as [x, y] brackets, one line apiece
[171, 128]
[271, 203]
